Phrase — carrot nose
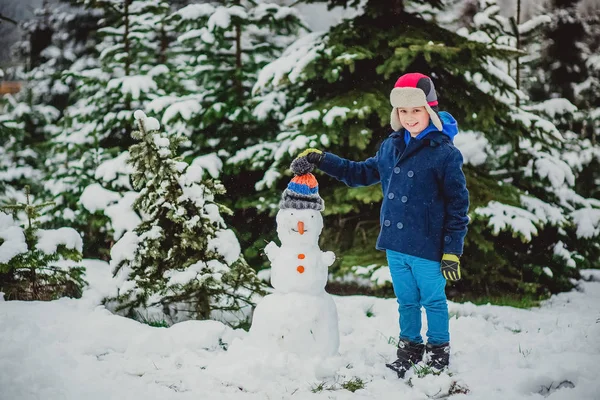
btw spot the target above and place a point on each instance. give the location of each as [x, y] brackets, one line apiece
[301, 227]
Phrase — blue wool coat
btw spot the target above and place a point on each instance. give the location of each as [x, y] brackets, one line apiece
[425, 198]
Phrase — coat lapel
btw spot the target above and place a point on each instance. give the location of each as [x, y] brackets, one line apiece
[413, 147]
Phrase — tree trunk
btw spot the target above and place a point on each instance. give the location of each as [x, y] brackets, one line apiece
[126, 43]
[238, 62]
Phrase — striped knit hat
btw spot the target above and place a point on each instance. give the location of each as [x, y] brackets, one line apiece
[302, 193]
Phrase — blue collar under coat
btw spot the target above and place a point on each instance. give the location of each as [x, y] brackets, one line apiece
[449, 130]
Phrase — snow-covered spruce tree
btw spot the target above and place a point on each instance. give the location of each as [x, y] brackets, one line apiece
[37, 264]
[54, 39]
[587, 94]
[575, 157]
[58, 36]
[339, 83]
[562, 53]
[95, 125]
[224, 44]
[181, 260]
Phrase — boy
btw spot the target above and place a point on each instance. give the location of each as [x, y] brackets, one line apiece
[423, 213]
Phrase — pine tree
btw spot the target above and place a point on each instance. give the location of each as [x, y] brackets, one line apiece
[182, 258]
[339, 84]
[223, 45]
[587, 95]
[562, 60]
[95, 125]
[38, 264]
[55, 39]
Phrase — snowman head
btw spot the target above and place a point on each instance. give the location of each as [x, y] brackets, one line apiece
[299, 219]
[299, 226]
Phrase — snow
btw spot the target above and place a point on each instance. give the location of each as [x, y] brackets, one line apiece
[186, 108]
[335, 113]
[534, 23]
[94, 197]
[553, 107]
[547, 213]
[209, 162]
[548, 271]
[122, 250]
[292, 62]
[122, 215]
[116, 170]
[504, 217]
[561, 251]
[12, 237]
[195, 11]
[587, 221]
[50, 239]
[473, 146]
[557, 171]
[74, 349]
[226, 244]
[133, 85]
[176, 278]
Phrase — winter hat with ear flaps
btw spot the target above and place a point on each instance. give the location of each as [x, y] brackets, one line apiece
[414, 90]
[302, 193]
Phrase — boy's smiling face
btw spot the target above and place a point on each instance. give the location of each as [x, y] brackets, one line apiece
[414, 119]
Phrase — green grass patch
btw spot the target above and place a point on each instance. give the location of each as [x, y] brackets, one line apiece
[422, 370]
[155, 323]
[321, 386]
[353, 384]
[510, 300]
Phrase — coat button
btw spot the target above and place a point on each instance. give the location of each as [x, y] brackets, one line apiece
[404, 199]
[390, 196]
[397, 170]
[387, 222]
[400, 225]
[447, 239]
[410, 174]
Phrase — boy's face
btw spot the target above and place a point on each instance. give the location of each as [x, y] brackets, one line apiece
[414, 119]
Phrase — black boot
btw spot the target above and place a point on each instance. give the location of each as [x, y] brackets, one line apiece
[408, 354]
[438, 356]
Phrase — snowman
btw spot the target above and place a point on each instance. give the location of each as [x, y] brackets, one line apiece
[299, 316]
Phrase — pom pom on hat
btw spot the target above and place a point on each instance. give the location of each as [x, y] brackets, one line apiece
[302, 193]
[301, 166]
[414, 90]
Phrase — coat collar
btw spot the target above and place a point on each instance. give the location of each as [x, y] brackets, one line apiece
[432, 139]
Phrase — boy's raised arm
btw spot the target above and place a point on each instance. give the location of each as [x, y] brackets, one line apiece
[352, 173]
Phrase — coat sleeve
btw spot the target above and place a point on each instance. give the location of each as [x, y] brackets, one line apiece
[352, 173]
[456, 200]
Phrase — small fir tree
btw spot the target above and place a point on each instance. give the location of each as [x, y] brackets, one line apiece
[38, 264]
[182, 258]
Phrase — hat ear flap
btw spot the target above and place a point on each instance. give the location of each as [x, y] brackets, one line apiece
[395, 120]
[435, 118]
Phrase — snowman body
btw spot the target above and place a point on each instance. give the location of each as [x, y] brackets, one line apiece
[300, 316]
[299, 269]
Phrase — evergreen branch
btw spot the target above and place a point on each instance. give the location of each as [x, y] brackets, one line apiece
[7, 19]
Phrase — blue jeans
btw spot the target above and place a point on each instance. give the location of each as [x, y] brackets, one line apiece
[419, 282]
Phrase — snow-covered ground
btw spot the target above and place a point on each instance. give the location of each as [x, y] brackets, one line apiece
[75, 349]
